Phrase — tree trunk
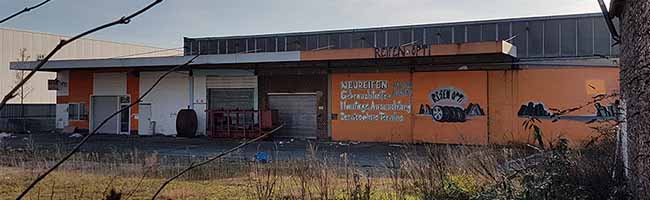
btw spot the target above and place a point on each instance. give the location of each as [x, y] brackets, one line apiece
[635, 88]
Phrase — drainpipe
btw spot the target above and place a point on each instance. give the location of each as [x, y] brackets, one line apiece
[191, 93]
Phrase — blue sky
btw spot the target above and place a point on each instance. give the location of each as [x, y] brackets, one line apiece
[166, 24]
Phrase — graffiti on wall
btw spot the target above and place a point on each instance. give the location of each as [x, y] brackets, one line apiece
[403, 51]
[540, 111]
[450, 105]
[374, 100]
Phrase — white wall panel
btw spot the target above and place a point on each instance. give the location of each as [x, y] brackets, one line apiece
[170, 96]
[11, 41]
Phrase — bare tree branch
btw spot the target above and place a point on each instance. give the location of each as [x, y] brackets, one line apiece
[222, 154]
[95, 129]
[27, 9]
[123, 20]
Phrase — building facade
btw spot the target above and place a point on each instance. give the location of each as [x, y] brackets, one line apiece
[19, 45]
[455, 83]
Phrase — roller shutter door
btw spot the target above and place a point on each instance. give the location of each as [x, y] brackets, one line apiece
[109, 84]
[231, 82]
[231, 92]
[298, 113]
[231, 98]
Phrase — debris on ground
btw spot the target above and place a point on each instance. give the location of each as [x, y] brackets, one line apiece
[262, 157]
[69, 129]
[76, 135]
[5, 135]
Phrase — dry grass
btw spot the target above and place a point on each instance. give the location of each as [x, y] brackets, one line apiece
[417, 172]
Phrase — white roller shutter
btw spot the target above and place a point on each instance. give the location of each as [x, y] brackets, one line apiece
[109, 84]
[231, 82]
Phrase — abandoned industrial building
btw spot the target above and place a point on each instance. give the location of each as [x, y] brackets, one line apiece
[453, 83]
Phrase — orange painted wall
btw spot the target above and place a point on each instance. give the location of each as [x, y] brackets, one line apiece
[369, 131]
[81, 89]
[473, 85]
[133, 90]
[500, 95]
[559, 88]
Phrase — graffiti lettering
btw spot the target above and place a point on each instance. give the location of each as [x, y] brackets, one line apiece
[372, 117]
[450, 93]
[394, 106]
[403, 51]
[368, 95]
[448, 106]
[364, 84]
[402, 89]
[372, 100]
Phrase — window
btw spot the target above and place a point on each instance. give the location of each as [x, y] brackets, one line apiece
[363, 40]
[489, 32]
[345, 41]
[418, 36]
[323, 42]
[432, 36]
[312, 42]
[250, 44]
[380, 39]
[393, 38]
[445, 35]
[334, 41]
[405, 37]
[221, 46]
[281, 43]
[473, 33]
[504, 31]
[236, 46]
[77, 111]
[459, 34]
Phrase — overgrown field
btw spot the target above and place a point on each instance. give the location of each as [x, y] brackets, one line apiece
[417, 172]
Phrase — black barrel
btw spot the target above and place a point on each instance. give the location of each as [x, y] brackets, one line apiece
[186, 123]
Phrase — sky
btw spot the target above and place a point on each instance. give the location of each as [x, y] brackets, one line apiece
[166, 24]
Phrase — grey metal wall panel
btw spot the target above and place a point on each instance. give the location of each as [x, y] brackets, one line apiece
[601, 37]
[520, 34]
[560, 38]
[568, 37]
[585, 37]
[551, 38]
[536, 39]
